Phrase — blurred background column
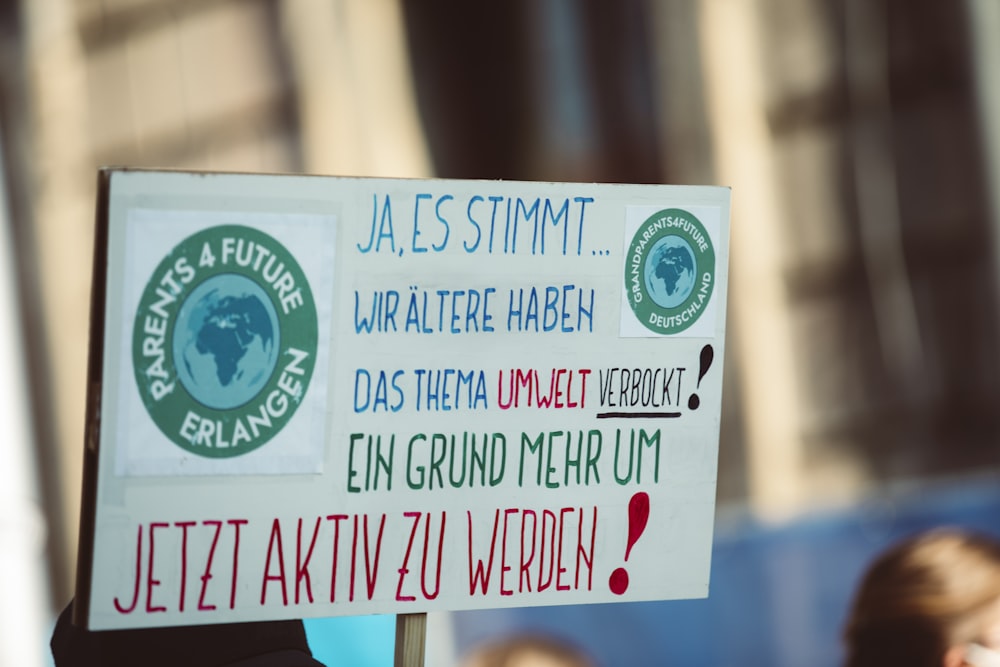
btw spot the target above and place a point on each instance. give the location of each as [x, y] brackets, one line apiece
[60, 180]
[25, 609]
[759, 326]
[356, 108]
[984, 28]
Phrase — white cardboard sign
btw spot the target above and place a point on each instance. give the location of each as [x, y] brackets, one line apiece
[319, 396]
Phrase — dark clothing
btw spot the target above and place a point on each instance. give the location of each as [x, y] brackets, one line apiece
[267, 644]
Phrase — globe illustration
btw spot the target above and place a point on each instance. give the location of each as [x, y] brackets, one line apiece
[226, 341]
[670, 271]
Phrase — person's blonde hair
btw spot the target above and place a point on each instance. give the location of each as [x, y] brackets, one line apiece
[528, 650]
[921, 597]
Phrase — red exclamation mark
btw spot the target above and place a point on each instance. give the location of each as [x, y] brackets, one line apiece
[638, 514]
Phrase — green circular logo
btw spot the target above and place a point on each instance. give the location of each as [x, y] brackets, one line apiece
[224, 341]
[669, 271]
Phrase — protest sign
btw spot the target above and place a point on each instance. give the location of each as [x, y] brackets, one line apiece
[318, 396]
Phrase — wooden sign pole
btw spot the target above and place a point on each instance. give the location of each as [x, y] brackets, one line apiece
[411, 635]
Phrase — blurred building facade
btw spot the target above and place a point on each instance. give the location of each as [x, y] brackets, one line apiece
[863, 322]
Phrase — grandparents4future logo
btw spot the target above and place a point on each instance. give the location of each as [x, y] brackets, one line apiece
[224, 341]
[669, 271]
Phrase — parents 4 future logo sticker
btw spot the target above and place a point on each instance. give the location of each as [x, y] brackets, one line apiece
[669, 273]
[224, 347]
[225, 341]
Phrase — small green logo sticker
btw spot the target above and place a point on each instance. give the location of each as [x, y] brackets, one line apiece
[224, 341]
[669, 271]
